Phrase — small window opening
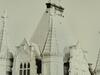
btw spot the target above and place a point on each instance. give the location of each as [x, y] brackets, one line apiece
[66, 68]
[24, 65]
[39, 66]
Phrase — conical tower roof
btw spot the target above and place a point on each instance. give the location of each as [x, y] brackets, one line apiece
[45, 34]
[40, 34]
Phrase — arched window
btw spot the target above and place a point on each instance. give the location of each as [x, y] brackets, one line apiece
[24, 65]
[28, 66]
[28, 69]
[21, 65]
[20, 71]
[24, 68]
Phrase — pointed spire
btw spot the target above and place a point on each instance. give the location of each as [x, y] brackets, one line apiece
[3, 17]
[4, 50]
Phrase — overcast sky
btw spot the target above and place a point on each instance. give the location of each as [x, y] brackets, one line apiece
[81, 22]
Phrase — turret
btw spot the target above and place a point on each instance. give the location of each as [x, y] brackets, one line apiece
[46, 39]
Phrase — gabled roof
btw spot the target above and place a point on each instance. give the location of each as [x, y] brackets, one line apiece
[27, 48]
[23, 47]
[24, 43]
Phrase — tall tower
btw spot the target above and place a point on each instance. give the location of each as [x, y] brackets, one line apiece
[45, 38]
[52, 58]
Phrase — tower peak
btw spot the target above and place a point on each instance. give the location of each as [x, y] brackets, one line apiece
[53, 8]
[58, 7]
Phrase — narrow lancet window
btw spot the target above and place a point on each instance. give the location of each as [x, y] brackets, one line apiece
[28, 66]
[21, 66]
[20, 71]
[28, 69]
[24, 65]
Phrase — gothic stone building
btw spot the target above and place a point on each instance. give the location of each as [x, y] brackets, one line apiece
[41, 55]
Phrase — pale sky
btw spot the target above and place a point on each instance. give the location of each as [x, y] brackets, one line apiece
[81, 22]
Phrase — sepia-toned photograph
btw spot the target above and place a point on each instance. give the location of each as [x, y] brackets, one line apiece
[49, 37]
